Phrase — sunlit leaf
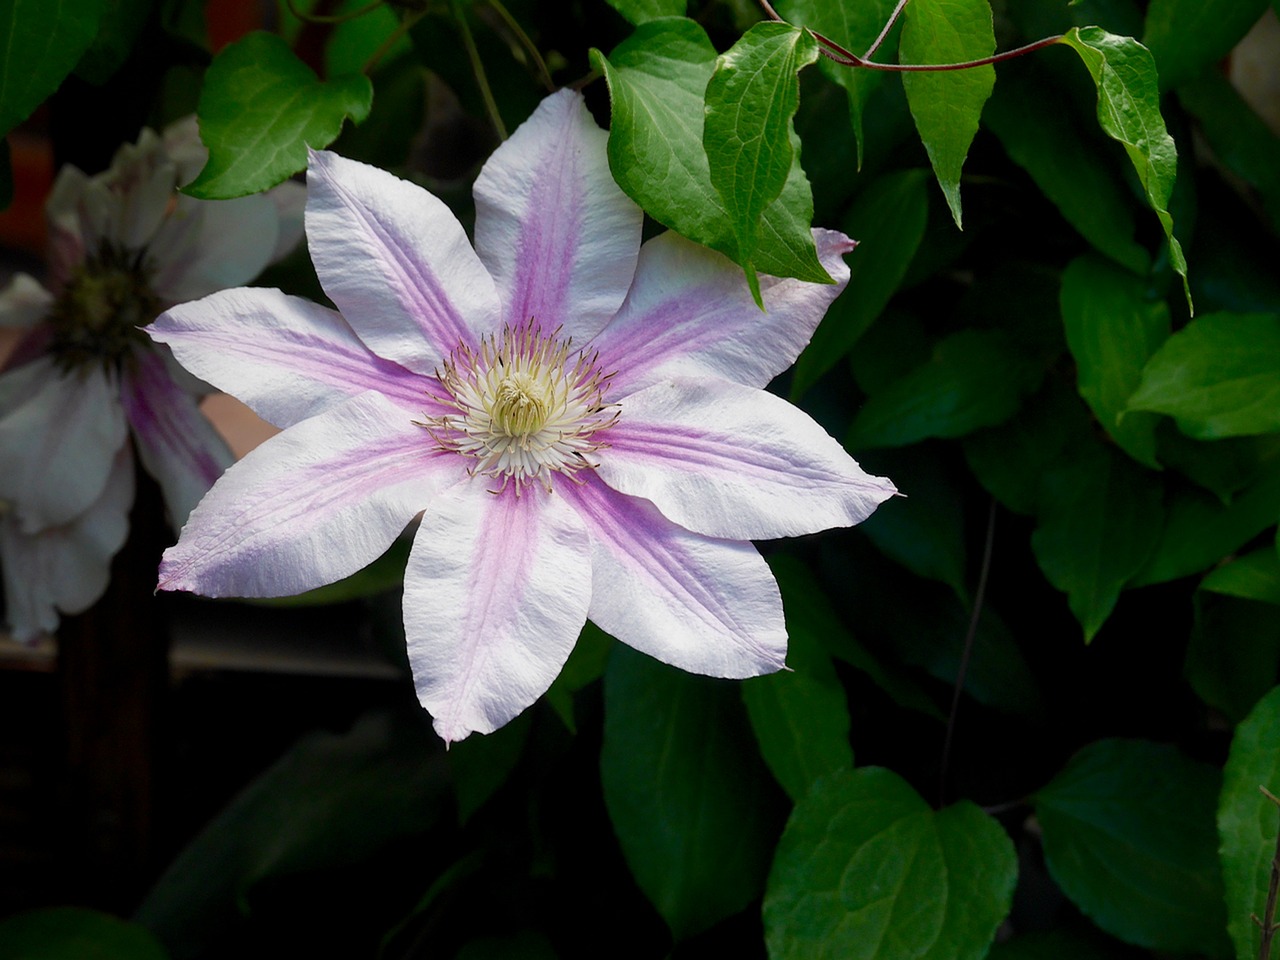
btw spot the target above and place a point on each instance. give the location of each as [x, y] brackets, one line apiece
[948, 104]
[865, 869]
[260, 108]
[1129, 112]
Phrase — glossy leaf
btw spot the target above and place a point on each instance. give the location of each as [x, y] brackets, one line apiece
[865, 869]
[1248, 822]
[657, 81]
[976, 378]
[1099, 520]
[1233, 658]
[43, 40]
[1218, 377]
[855, 27]
[1129, 112]
[260, 108]
[1113, 328]
[947, 105]
[74, 933]
[641, 11]
[1185, 36]
[1128, 835]
[890, 214]
[1064, 163]
[751, 100]
[685, 791]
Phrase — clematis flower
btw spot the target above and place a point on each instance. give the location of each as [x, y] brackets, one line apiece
[578, 419]
[84, 378]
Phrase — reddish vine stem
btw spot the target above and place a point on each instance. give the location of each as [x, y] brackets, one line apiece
[1268, 921]
[979, 599]
[893, 18]
[847, 58]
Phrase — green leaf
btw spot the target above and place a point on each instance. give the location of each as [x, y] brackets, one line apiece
[855, 27]
[1186, 36]
[331, 801]
[1218, 377]
[890, 214]
[1128, 835]
[118, 29]
[657, 83]
[1239, 137]
[1064, 163]
[261, 107]
[947, 105]
[74, 933]
[865, 869]
[1200, 530]
[1255, 576]
[1099, 520]
[800, 716]
[585, 665]
[1248, 822]
[353, 42]
[751, 100]
[642, 11]
[42, 41]
[1233, 658]
[481, 764]
[1112, 329]
[976, 378]
[1129, 112]
[384, 574]
[687, 795]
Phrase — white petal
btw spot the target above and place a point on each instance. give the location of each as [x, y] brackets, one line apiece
[59, 434]
[552, 225]
[396, 262]
[704, 605]
[207, 245]
[287, 358]
[495, 594]
[309, 506]
[690, 313]
[732, 461]
[64, 568]
[177, 444]
[24, 302]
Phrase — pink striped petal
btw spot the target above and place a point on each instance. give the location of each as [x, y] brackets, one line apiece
[704, 605]
[396, 262]
[552, 225]
[64, 569]
[495, 594]
[690, 313]
[286, 357]
[732, 461]
[310, 506]
[176, 442]
[59, 434]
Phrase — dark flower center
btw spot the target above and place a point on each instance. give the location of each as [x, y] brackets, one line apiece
[98, 315]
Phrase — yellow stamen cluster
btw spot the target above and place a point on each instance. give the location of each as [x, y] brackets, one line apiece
[527, 406]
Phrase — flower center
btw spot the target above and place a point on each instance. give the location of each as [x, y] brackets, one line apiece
[525, 407]
[99, 311]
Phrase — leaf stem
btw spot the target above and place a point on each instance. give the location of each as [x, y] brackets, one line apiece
[544, 75]
[1268, 921]
[847, 58]
[477, 67]
[331, 18]
[979, 599]
[893, 18]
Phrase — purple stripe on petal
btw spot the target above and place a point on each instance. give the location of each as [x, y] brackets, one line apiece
[311, 505]
[496, 592]
[690, 313]
[706, 605]
[396, 262]
[733, 461]
[552, 225]
[285, 357]
[177, 443]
